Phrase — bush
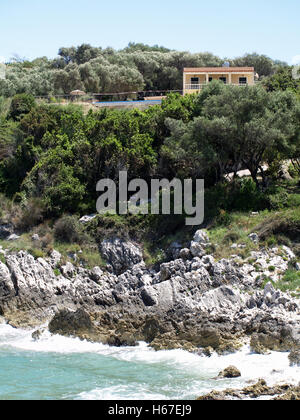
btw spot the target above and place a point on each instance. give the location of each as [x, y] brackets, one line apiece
[37, 253]
[28, 215]
[285, 223]
[21, 105]
[67, 229]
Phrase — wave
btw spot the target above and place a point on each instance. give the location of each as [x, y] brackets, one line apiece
[176, 374]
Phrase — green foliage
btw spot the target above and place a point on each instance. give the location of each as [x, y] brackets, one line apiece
[237, 128]
[282, 80]
[37, 253]
[134, 68]
[21, 105]
[263, 65]
[289, 282]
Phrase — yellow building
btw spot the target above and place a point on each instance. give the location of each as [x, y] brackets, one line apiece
[194, 79]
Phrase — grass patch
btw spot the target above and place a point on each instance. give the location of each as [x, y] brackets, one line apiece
[290, 282]
[237, 232]
[86, 255]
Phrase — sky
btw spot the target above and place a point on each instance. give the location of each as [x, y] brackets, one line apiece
[227, 28]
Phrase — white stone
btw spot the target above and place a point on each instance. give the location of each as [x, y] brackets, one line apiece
[13, 237]
[87, 218]
[201, 237]
[254, 237]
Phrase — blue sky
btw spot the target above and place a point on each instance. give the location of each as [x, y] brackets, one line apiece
[228, 28]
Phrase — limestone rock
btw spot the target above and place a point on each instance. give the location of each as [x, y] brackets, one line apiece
[70, 323]
[120, 254]
[197, 249]
[254, 237]
[13, 237]
[201, 237]
[88, 218]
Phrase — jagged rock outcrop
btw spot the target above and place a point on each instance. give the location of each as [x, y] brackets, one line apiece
[121, 255]
[258, 390]
[189, 303]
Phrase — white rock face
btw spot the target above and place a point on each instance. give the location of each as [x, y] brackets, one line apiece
[289, 252]
[120, 254]
[201, 237]
[197, 249]
[227, 292]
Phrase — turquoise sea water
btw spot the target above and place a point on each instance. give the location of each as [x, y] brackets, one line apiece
[65, 368]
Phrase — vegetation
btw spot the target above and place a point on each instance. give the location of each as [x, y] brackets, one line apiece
[137, 67]
[51, 158]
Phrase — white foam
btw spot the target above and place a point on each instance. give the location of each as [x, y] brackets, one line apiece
[196, 374]
[122, 392]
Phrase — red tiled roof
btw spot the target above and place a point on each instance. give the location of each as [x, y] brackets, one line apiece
[218, 69]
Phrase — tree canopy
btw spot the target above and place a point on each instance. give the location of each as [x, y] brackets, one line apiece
[95, 70]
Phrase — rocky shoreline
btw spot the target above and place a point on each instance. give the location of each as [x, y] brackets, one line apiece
[193, 302]
[260, 390]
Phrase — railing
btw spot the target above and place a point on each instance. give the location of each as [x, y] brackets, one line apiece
[202, 85]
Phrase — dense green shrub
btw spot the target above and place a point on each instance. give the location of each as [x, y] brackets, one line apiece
[67, 229]
[21, 105]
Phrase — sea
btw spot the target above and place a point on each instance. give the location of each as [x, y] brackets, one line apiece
[61, 368]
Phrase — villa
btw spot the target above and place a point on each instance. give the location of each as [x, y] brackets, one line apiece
[194, 79]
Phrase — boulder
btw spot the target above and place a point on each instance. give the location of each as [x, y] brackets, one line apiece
[201, 237]
[36, 335]
[120, 254]
[197, 249]
[13, 237]
[230, 372]
[88, 218]
[294, 357]
[55, 258]
[70, 323]
[254, 237]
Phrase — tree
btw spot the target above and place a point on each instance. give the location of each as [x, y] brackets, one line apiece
[238, 128]
[21, 105]
[262, 64]
[282, 80]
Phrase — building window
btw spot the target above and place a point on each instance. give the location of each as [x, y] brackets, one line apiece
[194, 82]
[210, 79]
[243, 80]
[223, 79]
